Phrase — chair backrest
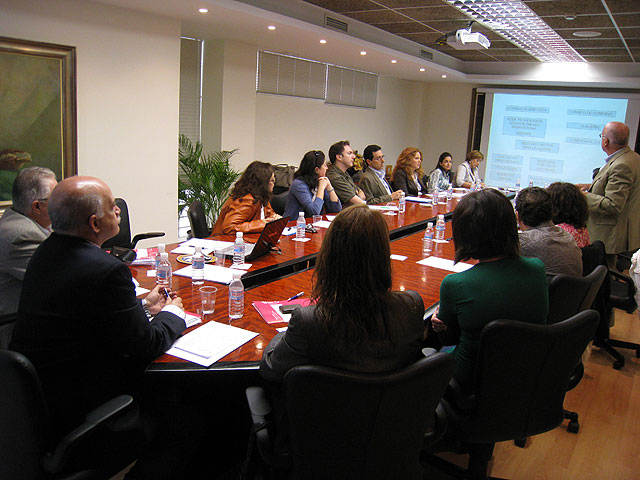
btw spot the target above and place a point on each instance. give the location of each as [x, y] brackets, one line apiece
[279, 202]
[521, 376]
[23, 418]
[123, 238]
[569, 294]
[198, 220]
[353, 425]
[7, 323]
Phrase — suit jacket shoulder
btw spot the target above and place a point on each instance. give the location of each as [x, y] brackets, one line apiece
[373, 188]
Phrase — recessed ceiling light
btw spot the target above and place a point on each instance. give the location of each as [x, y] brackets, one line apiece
[586, 34]
[363, 52]
[323, 41]
[271, 27]
[203, 10]
[394, 61]
[423, 69]
[444, 76]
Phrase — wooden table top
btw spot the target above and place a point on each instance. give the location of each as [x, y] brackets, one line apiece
[407, 275]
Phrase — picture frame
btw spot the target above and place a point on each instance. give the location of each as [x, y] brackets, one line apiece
[38, 124]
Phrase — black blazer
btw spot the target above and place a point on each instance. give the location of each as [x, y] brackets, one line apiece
[81, 325]
[402, 181]
[306, 343]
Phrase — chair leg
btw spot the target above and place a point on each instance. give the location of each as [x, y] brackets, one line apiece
[479, 456]
[520, 442]
[607, 345]
[573, 426]
[627, 345]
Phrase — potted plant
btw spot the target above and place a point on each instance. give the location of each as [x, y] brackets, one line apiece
[206, 177]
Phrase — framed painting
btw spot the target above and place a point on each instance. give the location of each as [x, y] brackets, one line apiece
[37, 110]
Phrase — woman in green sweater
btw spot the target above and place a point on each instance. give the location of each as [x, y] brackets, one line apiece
[503, 285]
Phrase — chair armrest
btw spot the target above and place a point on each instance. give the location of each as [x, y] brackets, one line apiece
[623, 278]
[460, 400]
[55, 462]
[144, 236]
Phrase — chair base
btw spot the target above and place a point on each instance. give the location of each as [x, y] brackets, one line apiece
[608, 344]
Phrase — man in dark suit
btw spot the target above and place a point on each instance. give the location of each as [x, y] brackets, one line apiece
[373, 181]
[79, 321]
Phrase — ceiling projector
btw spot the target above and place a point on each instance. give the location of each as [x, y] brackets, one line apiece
[463, 39]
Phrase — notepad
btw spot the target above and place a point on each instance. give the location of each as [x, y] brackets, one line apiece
[210, 342]
[443, 264]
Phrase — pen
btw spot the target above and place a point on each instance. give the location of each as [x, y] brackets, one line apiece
[165, 292]
[297, 295]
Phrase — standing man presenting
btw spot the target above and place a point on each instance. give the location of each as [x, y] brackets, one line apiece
[341, 156]
[373, 181]
[614, 195]
[23, 228]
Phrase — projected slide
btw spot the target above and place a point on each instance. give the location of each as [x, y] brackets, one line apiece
[547, 138]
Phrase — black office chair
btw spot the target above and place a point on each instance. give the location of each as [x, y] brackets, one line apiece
[24, 422]
[198, 220]
[7, 322]
[279, 202]
[345, 425]
[519, 385]
[123, 238]
[617, 292]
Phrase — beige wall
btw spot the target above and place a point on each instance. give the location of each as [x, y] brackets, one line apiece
[127, 91]
[445, 122]
[287, 127]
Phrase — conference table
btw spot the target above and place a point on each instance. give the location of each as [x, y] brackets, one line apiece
[276, 277]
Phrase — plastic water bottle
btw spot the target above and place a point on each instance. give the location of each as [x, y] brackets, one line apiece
[300, 226]
[197, 267]
[440, 228]
[531, 183]
[160, 250]
[163, 271]
[436, 197]
[427, 241]
[450, 192]
[238, 250]
[402, 203]
[236, 297]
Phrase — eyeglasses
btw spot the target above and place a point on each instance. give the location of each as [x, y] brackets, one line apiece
[317, 153]
[43, 199]
[602, 136]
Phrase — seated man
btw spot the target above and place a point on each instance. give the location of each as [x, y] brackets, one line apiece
[79, 321]
[540, 238]
[341, 156]
[23, 227]
[373, 182]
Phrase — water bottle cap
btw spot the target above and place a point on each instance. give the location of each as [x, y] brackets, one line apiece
[441, 217]
[238, 234]
[430, 225]
[198, 249]
[164, 256]
[236, 274]
[161, 247]
[301, 214]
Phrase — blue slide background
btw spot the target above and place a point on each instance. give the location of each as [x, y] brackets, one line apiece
[547, 138]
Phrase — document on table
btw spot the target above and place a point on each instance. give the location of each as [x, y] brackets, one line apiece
[212, 273]
[210, 342]
[188, 247]
[384, 208]
[417, 199]
[444, 264]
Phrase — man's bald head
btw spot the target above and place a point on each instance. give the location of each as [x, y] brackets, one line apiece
[75, 205]
[616, 135]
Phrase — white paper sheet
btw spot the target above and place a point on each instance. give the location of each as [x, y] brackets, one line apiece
[210, 342]
[212, 273]
[384, 208]
[402, 258]
[417, 199]
[444, 264]
[322, 224]
[187, 247]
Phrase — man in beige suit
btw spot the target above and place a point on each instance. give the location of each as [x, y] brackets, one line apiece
[614, 195]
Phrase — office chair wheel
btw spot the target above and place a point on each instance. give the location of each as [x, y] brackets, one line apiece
[618, 364]
[573, 426]
[520, 442]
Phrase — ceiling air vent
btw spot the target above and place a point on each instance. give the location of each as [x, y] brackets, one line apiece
[335, 24]
[426, 55]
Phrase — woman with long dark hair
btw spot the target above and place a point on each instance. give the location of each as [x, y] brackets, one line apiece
[570, 211]
[441, 177]
[248, 209]
[357, 322]
[311, 191]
